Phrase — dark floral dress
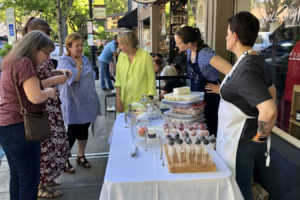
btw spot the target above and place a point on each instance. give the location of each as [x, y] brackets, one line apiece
[55, 150]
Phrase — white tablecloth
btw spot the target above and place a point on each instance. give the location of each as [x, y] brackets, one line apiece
[144, 177]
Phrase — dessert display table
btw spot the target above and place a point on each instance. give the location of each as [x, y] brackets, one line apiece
[144, 177]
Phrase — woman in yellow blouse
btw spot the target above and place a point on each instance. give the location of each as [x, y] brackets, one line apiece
[135, 73]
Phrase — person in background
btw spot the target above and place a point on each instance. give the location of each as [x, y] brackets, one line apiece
[135, 72]
[80, 101]
[158, 66]
[23, 156]
[247, 108]
[201, 60]
[172, 83]
[158, 56]
[158, 69]
[177, 69]
[106, 56]
[55, 151]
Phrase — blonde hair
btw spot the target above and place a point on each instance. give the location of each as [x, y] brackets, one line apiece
[169, 71]
[128, 38]
[28, 47]
[70, 39]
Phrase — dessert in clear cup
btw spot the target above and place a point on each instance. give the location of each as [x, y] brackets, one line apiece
[151, 134]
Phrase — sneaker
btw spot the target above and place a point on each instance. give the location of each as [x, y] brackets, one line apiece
[104, 89]
[111, 109]
[113, 91]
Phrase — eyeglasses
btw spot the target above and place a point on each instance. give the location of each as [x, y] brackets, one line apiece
[46, 53]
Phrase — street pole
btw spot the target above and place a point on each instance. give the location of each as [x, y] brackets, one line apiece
[92, 47]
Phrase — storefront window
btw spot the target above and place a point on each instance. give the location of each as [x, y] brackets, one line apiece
[278, 42]
[197, 14]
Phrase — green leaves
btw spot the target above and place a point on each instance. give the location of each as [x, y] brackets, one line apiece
[6, 48]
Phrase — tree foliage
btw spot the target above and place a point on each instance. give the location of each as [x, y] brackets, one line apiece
[27, 8]
[271, 5]
[116, 6]
[78, 16]
[74, 13]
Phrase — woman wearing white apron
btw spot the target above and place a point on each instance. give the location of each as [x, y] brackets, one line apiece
[247, 111]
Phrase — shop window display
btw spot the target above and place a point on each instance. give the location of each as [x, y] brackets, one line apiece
[278, 42]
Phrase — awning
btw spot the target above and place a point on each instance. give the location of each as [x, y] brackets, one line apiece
[129, 20]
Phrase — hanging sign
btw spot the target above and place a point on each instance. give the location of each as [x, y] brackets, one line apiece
[111, 24]
[145, 1]
[89, 25]
[90, 39]
[99, 11]
[10, 21]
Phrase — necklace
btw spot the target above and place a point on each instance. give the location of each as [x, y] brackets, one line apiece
[246, 53]
[193, 56]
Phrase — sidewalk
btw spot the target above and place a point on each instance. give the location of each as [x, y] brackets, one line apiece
[85, 184]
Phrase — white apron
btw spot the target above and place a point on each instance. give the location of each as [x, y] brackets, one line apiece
[230, 126]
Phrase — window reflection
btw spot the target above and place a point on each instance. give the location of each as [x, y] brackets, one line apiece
[278, 42]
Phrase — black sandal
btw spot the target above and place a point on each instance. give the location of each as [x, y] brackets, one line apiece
[81, 160]
[69, 168]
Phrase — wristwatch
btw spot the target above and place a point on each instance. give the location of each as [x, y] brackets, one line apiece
[261, 138]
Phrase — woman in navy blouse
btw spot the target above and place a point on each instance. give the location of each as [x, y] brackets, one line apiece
[80, 102]
[201, 60]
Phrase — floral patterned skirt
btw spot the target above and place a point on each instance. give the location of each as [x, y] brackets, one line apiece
[55, 150]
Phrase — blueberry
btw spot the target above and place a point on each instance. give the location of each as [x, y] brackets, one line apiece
[202, 138]
[188, 141]
[205, 141]
[171, 142]
[178, 141]
[186, 136]
[198, 141]
[171, 139]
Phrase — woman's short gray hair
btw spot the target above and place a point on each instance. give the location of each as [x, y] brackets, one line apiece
[129, 38]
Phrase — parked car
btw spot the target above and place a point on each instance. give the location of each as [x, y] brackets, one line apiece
[278, 48]
[3, 38]
[54, 56]
[1, 44]
[263, 41]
